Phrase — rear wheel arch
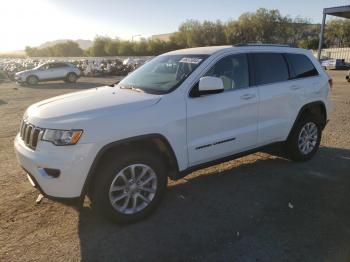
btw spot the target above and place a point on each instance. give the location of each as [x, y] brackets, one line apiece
[155, 143]
[317, 108]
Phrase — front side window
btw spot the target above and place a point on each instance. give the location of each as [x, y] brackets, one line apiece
[163, 73]
[45, 66]
[301, 65]
[233, 71]
[270, 68]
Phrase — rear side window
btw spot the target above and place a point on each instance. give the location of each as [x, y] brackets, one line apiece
[270, 68]
[302, 66]
[58, 65]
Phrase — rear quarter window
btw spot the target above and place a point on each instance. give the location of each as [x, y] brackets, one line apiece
[270, 68]
[302, 66]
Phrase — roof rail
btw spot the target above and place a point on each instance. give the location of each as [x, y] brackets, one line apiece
[257, 44]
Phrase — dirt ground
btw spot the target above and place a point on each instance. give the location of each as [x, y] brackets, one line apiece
[257, 208]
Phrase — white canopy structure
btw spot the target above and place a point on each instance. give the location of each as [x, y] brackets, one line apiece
[340, 11]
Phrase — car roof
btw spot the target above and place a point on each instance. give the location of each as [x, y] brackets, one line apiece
[206, 50]
[209, 50]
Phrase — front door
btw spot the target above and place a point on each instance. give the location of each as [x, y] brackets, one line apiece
[223, 124]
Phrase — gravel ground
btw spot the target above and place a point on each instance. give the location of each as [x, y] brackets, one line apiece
[258, 208]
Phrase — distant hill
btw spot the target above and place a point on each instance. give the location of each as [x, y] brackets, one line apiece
[83, 44]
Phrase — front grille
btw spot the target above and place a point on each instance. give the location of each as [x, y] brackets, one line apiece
[30, 134]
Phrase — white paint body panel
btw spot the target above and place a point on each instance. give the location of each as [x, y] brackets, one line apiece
[109, 114]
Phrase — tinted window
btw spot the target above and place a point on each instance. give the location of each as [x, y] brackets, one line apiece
[233, 70]
[302, 65]
[270, 68]
[58, 65]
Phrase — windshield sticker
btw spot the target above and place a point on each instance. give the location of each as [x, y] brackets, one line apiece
[190, 60]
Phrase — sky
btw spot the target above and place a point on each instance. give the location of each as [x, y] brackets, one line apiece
[24, 22]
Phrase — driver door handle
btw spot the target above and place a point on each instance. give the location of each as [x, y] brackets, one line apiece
[247, 96]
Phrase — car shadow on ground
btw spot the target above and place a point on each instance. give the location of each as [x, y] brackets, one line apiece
[265, 209]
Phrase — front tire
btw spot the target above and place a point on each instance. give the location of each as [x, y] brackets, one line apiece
[305, 139]
[129, 188]
[32, 80]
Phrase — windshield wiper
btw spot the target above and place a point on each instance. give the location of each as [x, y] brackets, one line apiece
[112, 85]
[131, 88]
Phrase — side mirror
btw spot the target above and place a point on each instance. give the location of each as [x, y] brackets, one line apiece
[210, 85]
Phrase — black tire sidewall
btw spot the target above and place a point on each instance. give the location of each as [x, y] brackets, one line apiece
[32, 77]
[69, 80]
[293, 148]
[101, 202]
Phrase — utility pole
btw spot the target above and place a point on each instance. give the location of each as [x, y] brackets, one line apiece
[321, 36]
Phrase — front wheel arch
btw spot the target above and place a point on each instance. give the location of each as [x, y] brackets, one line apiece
[156, 143]
[31, 76]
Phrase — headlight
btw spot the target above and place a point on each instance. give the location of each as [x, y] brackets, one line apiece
[62, 137]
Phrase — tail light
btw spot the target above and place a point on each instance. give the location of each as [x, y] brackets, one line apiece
[330, 82]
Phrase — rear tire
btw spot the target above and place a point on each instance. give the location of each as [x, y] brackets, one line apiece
[133, 197]
[71, 78]
[304, 139]
[32, 80]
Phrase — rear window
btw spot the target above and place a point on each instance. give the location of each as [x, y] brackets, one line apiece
[270, 68]
[301, 65]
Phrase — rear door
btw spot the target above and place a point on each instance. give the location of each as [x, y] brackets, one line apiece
[305, 76]
[58, 70]
[279, 97]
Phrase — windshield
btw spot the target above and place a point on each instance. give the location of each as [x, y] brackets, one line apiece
[40, 66]
[162, 74]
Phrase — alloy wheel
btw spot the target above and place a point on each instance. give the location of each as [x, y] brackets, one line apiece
[133, 188]
[307, 139]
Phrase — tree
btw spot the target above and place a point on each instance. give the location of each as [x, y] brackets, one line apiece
[261, 26]
[69, 48]
[99, 45]
[125, 48]
[337, 33]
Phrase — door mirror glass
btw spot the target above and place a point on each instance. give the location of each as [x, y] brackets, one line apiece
[210, 85]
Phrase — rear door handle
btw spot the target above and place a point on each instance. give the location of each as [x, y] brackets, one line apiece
[247, 96]
[294, 87]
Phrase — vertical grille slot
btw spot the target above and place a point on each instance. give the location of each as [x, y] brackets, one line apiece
[30, 134]
[35, 137]
[27, 135]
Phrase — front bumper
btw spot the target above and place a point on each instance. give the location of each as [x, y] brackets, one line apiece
[73, 162]
[19, 79]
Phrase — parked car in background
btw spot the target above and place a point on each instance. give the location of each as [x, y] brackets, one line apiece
[335, 64]
[3, 76]
[180, 112]
[49, 72]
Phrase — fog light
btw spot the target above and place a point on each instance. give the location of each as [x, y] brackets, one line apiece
[49, 172]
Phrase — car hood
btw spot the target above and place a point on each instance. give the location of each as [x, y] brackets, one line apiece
[89, 104]
[25, 72]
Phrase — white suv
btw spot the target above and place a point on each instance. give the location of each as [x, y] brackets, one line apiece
[179, 112]
[49, 72]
